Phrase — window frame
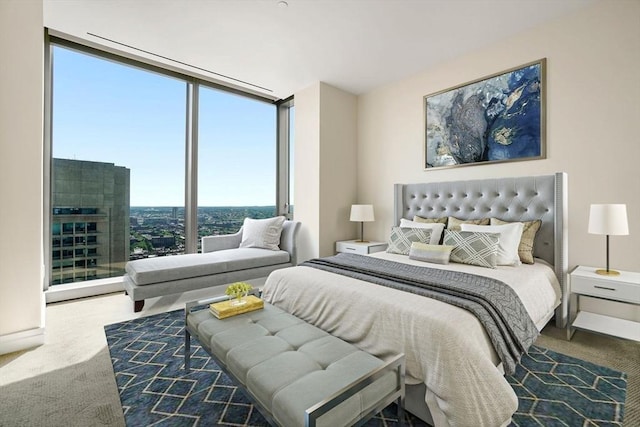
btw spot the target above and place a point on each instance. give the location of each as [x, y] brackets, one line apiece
[193, 84]
[283, 188]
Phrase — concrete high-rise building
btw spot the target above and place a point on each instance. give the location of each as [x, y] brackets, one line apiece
[90, 221]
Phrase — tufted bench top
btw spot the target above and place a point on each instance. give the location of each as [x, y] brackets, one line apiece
[289, 365]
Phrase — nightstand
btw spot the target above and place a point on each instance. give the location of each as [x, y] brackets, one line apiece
[623, 288]
[362, 248]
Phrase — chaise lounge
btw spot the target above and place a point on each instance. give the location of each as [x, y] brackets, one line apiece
[224, 259]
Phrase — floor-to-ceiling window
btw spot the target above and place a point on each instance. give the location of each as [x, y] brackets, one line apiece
[236, 161]
[117, 172]
[291, 151]
[119, 155]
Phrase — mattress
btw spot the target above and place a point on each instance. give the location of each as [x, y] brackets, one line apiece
[446, 347]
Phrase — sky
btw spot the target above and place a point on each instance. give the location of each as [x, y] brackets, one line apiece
[108, 112]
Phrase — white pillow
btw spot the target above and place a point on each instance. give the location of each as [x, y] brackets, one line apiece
[508, 242]
[262, 233]
[436, 228]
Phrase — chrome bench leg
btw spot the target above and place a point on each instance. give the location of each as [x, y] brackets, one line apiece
[400, 404]
[187, 350]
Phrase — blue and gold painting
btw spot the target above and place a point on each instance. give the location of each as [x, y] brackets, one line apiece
[497, 118]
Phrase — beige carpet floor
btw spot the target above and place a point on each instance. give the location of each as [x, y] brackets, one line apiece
[69, 380]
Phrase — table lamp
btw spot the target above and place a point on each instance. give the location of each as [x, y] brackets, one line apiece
[608, 219]
[362, 213]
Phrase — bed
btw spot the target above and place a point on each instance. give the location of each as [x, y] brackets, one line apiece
[454, 374]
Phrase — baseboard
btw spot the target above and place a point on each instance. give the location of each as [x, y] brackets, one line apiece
[57, 293]
[22, 340]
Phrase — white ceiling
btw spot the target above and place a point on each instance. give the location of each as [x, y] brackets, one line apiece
[355, 45]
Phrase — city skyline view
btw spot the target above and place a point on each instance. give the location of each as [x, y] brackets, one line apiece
[94, 231]
[160, 230]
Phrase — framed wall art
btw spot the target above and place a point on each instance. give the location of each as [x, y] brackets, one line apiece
[496, 118]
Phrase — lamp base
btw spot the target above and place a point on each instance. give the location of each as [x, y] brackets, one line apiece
[608, 272]
[361, 241]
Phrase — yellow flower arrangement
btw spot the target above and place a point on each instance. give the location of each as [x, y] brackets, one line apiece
[238, 290]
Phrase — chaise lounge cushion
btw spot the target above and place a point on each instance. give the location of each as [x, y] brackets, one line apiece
[164, 269]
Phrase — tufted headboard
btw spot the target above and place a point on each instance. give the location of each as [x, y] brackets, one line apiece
[509, 199]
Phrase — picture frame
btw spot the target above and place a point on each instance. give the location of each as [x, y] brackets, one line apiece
[493, 119]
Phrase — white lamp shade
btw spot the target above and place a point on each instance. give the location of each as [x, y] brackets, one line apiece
[608, 219]
[362, 213]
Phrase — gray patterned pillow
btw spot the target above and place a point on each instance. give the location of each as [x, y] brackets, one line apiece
[479, 249]
[401, 239]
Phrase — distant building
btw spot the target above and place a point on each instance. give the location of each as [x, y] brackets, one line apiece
[163, 241]
[90, 221]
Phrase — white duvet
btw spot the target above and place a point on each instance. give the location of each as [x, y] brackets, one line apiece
[446, 347]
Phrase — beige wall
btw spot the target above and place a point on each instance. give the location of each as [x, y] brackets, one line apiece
[325, 167]
[338, 139]
[306, 197]
[21, 261]
[593, 59]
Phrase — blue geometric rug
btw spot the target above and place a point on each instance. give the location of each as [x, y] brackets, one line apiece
[554, 389]
[147, 356]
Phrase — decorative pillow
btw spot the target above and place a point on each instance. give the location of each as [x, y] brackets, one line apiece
[525, 248]
[262, 233]
[478, 249]
[442, 220]
[508, 242]
[436, 229]
[454, 223]
[401, 239]
[438, 254]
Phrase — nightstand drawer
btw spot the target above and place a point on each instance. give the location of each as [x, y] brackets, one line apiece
[361, 248]
[618, 291]
[351, 248]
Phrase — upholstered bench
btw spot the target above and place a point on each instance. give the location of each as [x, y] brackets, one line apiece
[296, 374]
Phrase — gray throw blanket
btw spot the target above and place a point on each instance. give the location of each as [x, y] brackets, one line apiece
[495, 304]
